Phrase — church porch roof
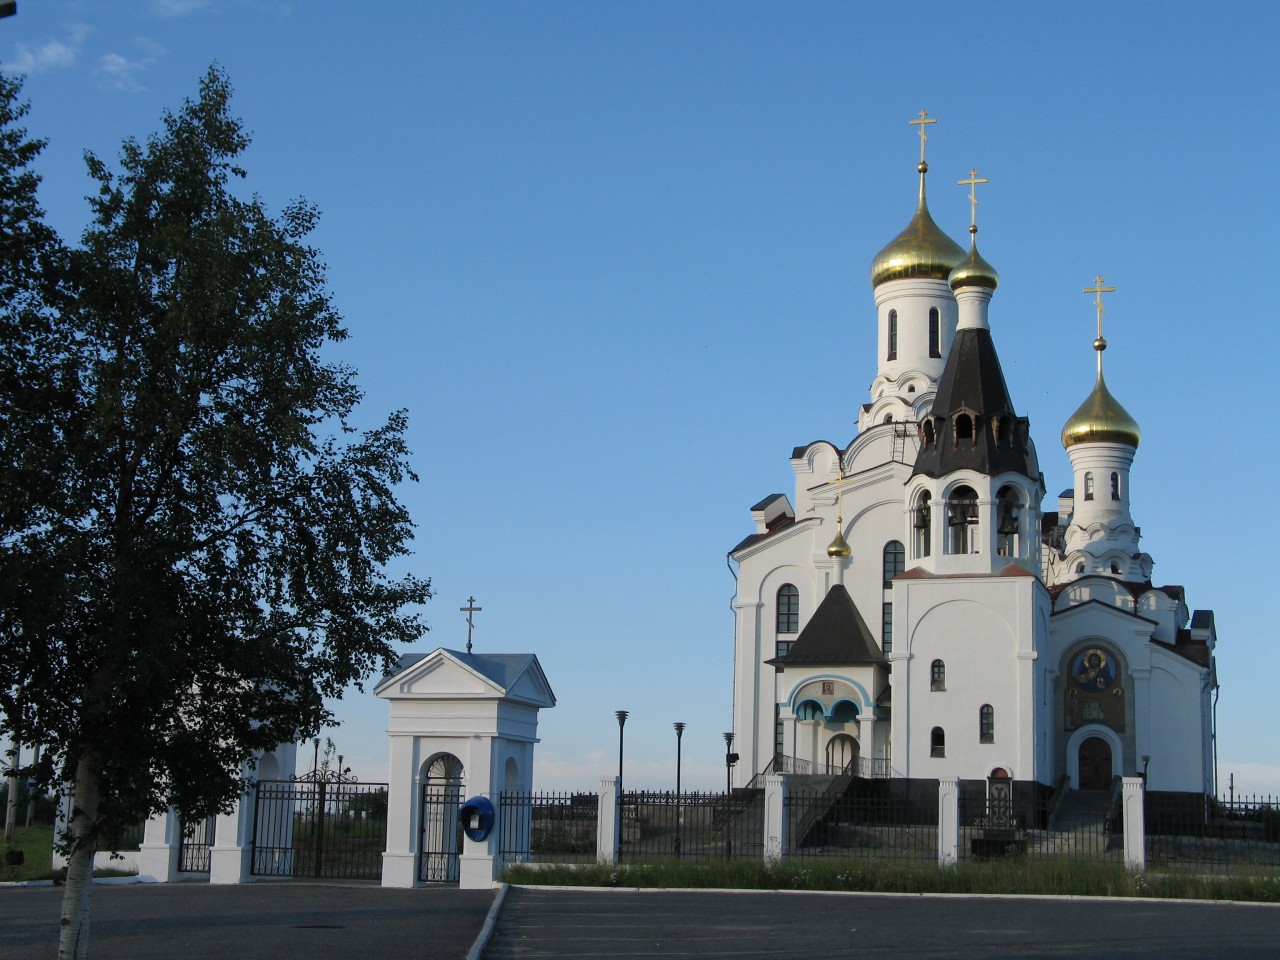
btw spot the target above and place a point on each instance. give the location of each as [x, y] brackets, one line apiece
[836, 635]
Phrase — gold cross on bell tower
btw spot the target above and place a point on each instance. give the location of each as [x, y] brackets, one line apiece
[1098, 290]
[921, 123]
[972, 184]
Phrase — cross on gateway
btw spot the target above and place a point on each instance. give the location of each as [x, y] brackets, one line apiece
[924, 119]
[469, 609]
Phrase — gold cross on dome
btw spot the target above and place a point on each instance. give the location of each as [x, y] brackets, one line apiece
[924, 119]
[1098, 290]
[840, 484]
[972, 184]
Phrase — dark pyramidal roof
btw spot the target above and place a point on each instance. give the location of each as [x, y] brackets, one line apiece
[835, 635]
[972, 425]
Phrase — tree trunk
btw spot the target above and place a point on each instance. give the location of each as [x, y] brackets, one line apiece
[73, 939]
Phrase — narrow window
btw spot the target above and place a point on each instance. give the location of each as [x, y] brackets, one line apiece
[927, 431]
[783, 647]
[937, 743]
[964, 427]
[779, 735]
[895, 558]
[893, 335]
[886, 629]
[935, 342]
[922, 524]
[938, 676]
[986, 724]
[962, 521]
[1088, 486]
[1115, 486]
[788, 609]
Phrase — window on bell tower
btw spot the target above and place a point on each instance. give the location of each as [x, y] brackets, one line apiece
[1088, 486]
[1115, 486]
[935, 336]
[962, 521]
[893, 335]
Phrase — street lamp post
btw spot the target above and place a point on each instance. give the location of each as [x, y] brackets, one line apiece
[622, 721]
[679, 818]
[730, 758]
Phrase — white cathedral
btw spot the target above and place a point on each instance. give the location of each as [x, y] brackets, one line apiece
[914, 613]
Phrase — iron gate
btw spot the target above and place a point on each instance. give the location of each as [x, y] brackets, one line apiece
[320, 825]
[441, 832]
[193, 849]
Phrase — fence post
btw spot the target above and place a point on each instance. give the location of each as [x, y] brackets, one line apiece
[948, 822]
[775, 818]
[608, 822]
[1135, 828]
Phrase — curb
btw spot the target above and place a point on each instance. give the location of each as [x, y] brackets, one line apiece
[490, 921]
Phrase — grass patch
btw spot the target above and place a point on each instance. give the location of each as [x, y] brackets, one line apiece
[1054, 878]
[36, 844]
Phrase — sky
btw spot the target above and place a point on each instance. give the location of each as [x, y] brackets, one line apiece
[613, 259]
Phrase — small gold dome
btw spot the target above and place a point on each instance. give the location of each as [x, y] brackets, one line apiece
[973, 271]
[1101, 419]
[921, 250]
[839, 547]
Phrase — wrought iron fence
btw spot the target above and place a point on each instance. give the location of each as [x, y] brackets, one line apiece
[896, 826]
[1239, 836]
[691, 825]
[996, 821]
[548, 827]
[319, 826]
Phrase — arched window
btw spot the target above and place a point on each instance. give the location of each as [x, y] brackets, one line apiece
[1115, 486]
[921, 524]
[964, 427]
[888, 418]
[1007, 521]
[1088, 486]
[938, 676]
[788, 609]
[895, 559]
[810, 710]
[986, 724]
[893, 335]
[962, 521]
[1080, 567]
[927, 433]
[937, 743]
[935, 337]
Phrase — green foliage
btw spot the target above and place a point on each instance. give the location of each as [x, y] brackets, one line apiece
[195, 535]
[1045, 877]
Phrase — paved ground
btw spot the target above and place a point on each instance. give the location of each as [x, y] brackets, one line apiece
[609, 923]
[260, 921]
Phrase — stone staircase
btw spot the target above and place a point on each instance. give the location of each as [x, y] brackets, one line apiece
[1082, 810]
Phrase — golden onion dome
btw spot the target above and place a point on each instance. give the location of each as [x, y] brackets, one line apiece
[1101, 419]
[921, 250]
[839, 547]
[973, 270]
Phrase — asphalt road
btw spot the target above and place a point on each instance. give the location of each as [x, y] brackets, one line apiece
[538, 923]
[258, 921]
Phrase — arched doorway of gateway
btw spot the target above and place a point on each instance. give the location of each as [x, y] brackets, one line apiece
[842, 750]
[1095, 764]
[441, 831]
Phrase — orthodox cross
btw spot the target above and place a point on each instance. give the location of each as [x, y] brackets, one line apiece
[840, 484]
[469, 609]
[972, 184]
[924, 119]
[1098, 290]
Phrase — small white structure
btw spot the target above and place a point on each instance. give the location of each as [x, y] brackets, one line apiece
[462, 725]
[220, 848]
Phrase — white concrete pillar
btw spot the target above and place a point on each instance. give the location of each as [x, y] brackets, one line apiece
[775, 818]
[608, 826]
[1135, 828]
[948, 822]
[161, 845]
[479, 863]
[231, 856]
[867, 741]
[404, 795]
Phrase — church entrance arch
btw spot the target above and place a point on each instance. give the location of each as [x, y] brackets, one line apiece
[441, 834]
[1095, 764]
[842, 750]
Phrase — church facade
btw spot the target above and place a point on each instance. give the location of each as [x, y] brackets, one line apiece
[913, 612]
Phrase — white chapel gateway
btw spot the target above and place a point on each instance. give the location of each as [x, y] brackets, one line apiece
[914, 614]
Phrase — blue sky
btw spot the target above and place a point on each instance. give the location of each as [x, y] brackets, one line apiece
[613, 258]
